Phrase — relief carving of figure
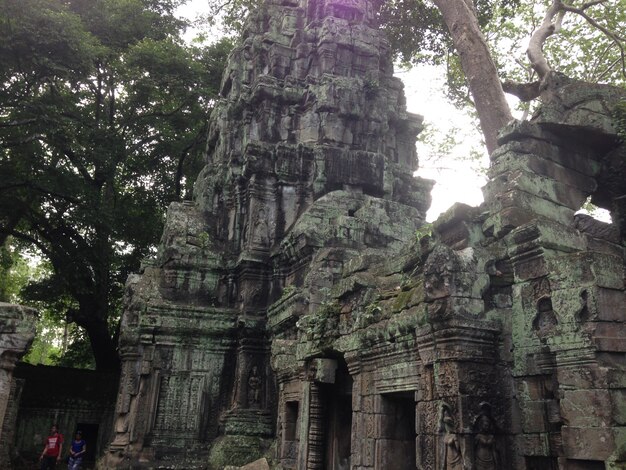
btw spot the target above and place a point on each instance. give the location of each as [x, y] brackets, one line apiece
[261, 231]
[452, 455]
[254, 388]
[486, 457]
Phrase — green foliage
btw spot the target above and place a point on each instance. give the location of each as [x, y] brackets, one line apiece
[231, 14]
[425, 231]
[14, 273]
[76, 352]
[103, 114]
[287, 292]
[579, 50]
[415, 30]
[418, 34]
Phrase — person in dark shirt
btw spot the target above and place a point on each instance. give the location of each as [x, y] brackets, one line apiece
[77, 452]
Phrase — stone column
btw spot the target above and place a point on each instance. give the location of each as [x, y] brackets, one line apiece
[17, 331]
[315, 459]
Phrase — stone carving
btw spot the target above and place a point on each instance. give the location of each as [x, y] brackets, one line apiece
[451, 452]
[255, 385]
[17, 331]
[304, 252]
[485, 451]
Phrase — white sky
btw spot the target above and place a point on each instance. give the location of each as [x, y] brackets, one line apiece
[457, 178]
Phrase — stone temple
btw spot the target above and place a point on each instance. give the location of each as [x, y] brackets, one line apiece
[300, 308]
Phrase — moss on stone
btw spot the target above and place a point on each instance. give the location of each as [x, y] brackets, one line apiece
[237, 451]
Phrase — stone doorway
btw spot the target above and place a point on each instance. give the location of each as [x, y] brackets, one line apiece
[291, 421]
[396, 447]
[90, 436]
[338, 426]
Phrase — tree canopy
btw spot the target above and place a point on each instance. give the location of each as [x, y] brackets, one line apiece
[103, 112]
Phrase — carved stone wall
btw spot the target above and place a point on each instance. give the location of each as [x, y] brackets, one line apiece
[500, 328]
[300, 299]
[72, 398]
[309, 162]
[17, 331]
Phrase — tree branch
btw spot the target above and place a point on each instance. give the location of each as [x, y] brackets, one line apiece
[548, 27]
[73, 158]
[617, 39]
[18, 123]
[27, 238]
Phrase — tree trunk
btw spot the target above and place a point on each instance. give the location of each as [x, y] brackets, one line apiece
[478, 67]
[102, 345]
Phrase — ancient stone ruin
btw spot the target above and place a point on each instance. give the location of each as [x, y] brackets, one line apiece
[17, 331]
[300, 308]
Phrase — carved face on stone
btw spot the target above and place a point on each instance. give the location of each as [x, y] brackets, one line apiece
[484, 425]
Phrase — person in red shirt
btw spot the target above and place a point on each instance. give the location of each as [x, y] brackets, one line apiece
[52, 450]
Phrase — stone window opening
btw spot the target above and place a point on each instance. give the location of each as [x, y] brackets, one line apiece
[291, 421]
[541, 463]
[594, 211]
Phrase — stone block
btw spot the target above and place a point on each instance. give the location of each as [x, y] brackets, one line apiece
[608, 304]
[588, 377]
[532, 183]
[534, 204]
[533, 415]
[368, 452]
[581, 269]
[588, 443]
[324, 370]
[508, 159]
[618, 407]
[536, 444]
[260, 464]
[586, 408]
[619, 455]
[610, 344]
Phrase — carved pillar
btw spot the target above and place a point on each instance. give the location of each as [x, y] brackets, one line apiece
[315, 459]
[17, 331]
[129, 381]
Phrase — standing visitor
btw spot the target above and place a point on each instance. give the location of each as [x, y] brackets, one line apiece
[77, 452]
[53, 447]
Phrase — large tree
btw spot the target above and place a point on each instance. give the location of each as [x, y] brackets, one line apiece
[103, 113]
[481, 38]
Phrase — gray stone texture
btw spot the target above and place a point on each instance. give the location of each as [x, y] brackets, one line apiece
[300, 309]
[17, 331]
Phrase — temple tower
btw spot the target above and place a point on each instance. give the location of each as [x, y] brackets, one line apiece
[310, 159]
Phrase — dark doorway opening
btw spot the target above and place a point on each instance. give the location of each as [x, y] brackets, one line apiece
[290, 434]
[338, 442]
[398, 433]
[90, 436]
[541, 463]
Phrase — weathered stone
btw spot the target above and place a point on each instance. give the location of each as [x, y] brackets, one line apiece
[300, 297]
[17, 331]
